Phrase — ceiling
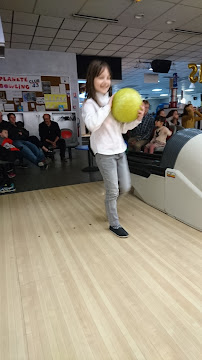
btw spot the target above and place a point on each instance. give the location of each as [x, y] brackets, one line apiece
[49, 25]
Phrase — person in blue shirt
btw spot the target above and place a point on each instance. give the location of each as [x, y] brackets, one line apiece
[142, 134]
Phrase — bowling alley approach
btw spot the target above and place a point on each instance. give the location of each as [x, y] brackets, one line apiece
[100, 180]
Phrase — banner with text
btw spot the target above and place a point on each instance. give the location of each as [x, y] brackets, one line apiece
[27, 83]
[53, 101]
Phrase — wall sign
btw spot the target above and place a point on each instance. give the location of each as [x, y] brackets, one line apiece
[19, 82]
[52, 101]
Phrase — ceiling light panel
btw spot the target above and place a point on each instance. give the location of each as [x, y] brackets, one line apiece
[106, 53]
[39, 47]
[61, 42]
[164, 36]
[22, 5]
[46, 21]
[86, 36]
[90, 52]
[6, 15]
[95, 45]
[94, 26]
[73, 24]
[138, 42]
[74, 50]
[42, 40]
[25, 18]
[46, 32]
[105, 38]
[66, 34]
[113, 29]
[58, 48]
[131, 32]
[6, 27]
[122, 40]
[26, 39]
[80, 44]
[23, 29]
[147, 34]
[19, 45]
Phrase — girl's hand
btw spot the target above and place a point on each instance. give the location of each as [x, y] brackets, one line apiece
[110, 100]
[141, 113]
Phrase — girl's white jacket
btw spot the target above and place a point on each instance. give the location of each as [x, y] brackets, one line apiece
[106, 133]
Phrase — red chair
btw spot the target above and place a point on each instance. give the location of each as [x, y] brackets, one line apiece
[67, 135]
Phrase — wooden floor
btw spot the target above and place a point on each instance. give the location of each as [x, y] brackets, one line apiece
[72, 290]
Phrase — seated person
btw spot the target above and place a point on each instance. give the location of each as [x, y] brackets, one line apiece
[190, 116]
[173, 121]
[160, 135]
[29, 151]
[18, 132]
[50, 135]
[161, 112]
[9, 153]
[141, 135]
[3, 124]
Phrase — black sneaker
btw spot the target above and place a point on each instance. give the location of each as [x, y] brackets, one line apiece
[120, 232]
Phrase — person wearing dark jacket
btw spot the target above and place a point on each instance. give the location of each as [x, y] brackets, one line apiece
[3, 124]
[18, 132]
[50, 135]
[20, 137]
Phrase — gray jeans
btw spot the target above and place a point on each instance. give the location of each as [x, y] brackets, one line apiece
[116, 176]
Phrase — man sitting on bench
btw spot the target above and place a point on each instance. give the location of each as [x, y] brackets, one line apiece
[50, 135]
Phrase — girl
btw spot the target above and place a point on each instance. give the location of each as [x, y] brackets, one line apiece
[160, 135]
[106, 139]
[173, 121]
[190, 116]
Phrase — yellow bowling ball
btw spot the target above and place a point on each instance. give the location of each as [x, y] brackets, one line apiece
[126, 104]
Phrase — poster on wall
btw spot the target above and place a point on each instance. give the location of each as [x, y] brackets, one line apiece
[2, 95]
[40, 100]
[11, 94]
[29, 96]
[9, 107]
[24, 106]
[55, 90]
[19, 82]
[52, 101]
[46, 87]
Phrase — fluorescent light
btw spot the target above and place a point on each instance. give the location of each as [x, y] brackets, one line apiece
[189, 90]
[82, 96]
[163, 94]
[192, 86]
[169, 22]
[139, 16]
[81, 81]
[88, 17]
[157, 90]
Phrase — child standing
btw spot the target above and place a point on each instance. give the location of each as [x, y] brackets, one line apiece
[160, 135]
[106, 139]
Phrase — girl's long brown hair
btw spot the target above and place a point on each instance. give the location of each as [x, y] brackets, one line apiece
[95, 68]
[185, 112]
